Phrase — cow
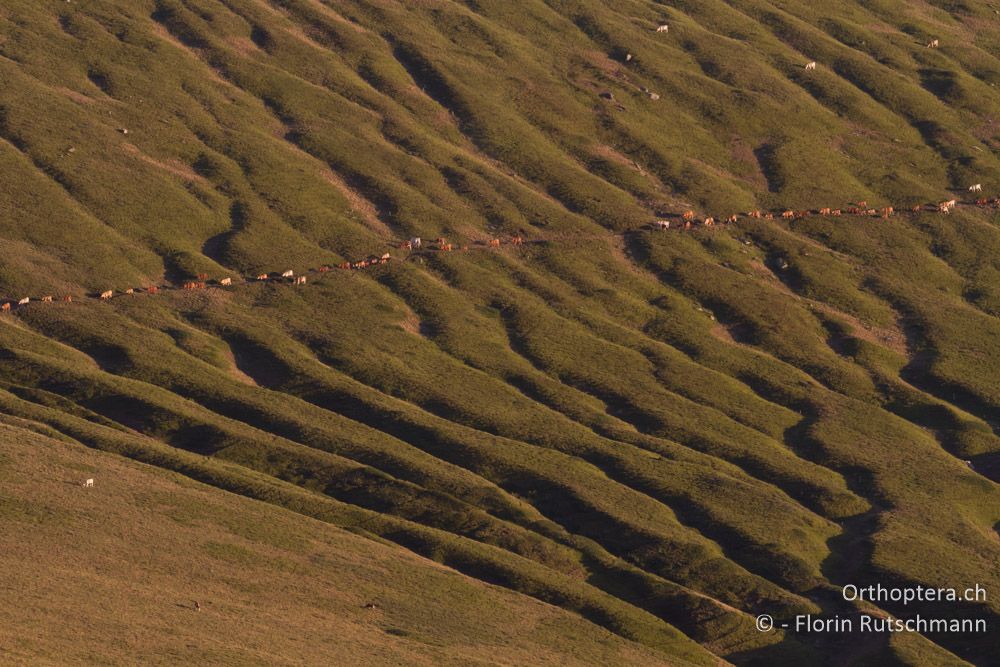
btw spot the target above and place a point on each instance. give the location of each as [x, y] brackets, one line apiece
[385, 257]
[518, 240]
[688, 215]
[787, 215]
[416, 241]
[863, 204]
[811, 65]
[447, 247]
[226, 282]
[732, 219]
[406, 245]
[68, 299]
[25, 301]
[982, 202]
[262, 276]
[89, 483]
[933, 44]
[978, 187]
[202, 276]
[325, 268]
[887, 211]
[189, 284]
[663, 224]
[754, 214]
[835, 212]
[344, 265]
[288, 274]
[917, 209]
[854, 210]
[46, 299]
[494, 243]
[824, 211]
[153, 289]
[663, 28]
[5, 308]
[769, 216]
[130, 291]
[871, 212]
[709, 221]
[300, 280]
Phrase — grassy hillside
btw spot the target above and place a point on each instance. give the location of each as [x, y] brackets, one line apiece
[663, 434]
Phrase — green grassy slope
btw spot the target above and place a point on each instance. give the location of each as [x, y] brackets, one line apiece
[662, 433]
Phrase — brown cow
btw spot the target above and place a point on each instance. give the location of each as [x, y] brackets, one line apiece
[494, 243]
[982, 202]
[732, 219]
[688, 215]
[517, 240]
[441, 240]
[153, 289]
[862, 204]
[769, 216]
[824, 211]
[918, 208]
[68, 299]
[788, 215]
[46, 299]
[887, 211]
[687, 224]
[262, 276]
[754, 214]
[324, 268]
[406, 245]
[835, 212]
[202, 276]
[5, 308]
[344, 265]
[447, 247]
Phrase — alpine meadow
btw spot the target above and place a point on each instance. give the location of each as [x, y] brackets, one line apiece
[499, 332]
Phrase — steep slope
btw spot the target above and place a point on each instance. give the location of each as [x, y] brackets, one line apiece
[664, 433]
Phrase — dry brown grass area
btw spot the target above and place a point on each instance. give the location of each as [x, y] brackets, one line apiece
[110, 575]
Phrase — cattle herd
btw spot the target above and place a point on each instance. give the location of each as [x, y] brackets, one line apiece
[417, 246]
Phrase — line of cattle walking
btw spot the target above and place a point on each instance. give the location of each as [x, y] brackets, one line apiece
[416, 245]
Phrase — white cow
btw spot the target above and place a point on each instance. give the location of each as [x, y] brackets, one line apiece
[288, 274]
[663, 28]
[811, 65]
[107, 295]
[226, 282]
[978, 187]
[89, 483]
[663, 224]
[415, 241]
[24, 301]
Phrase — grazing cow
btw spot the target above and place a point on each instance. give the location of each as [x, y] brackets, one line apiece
[978, 187]
[130, 291]
[688, 215]
[754, 214]
[494, 243]
[344, 265]
[385, 257]
[769, 216]
[46, 299]
[68, 299]
[811, 65]
[447, 247]
[262, 276]
[887, 211]
[917, 209]
[288, 274]
[300, 280]
[5, 308]
[153, 289]
[824, 211]
[416, 241]
[107, 295]
[863, 204]
[787, 215]
[226, 282]
[854, 210]
[982, 202]
[202, 276]
[663, 224]
[324, 268]
[89, 483]
[933, 44]
[835, 212]
[732, 219]
[406, 245]
[687, 224]
[24, 301]
[708, 222]
[663, 28]
[189, 284]
[518, 240]
[803, 214]
[872, 212]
